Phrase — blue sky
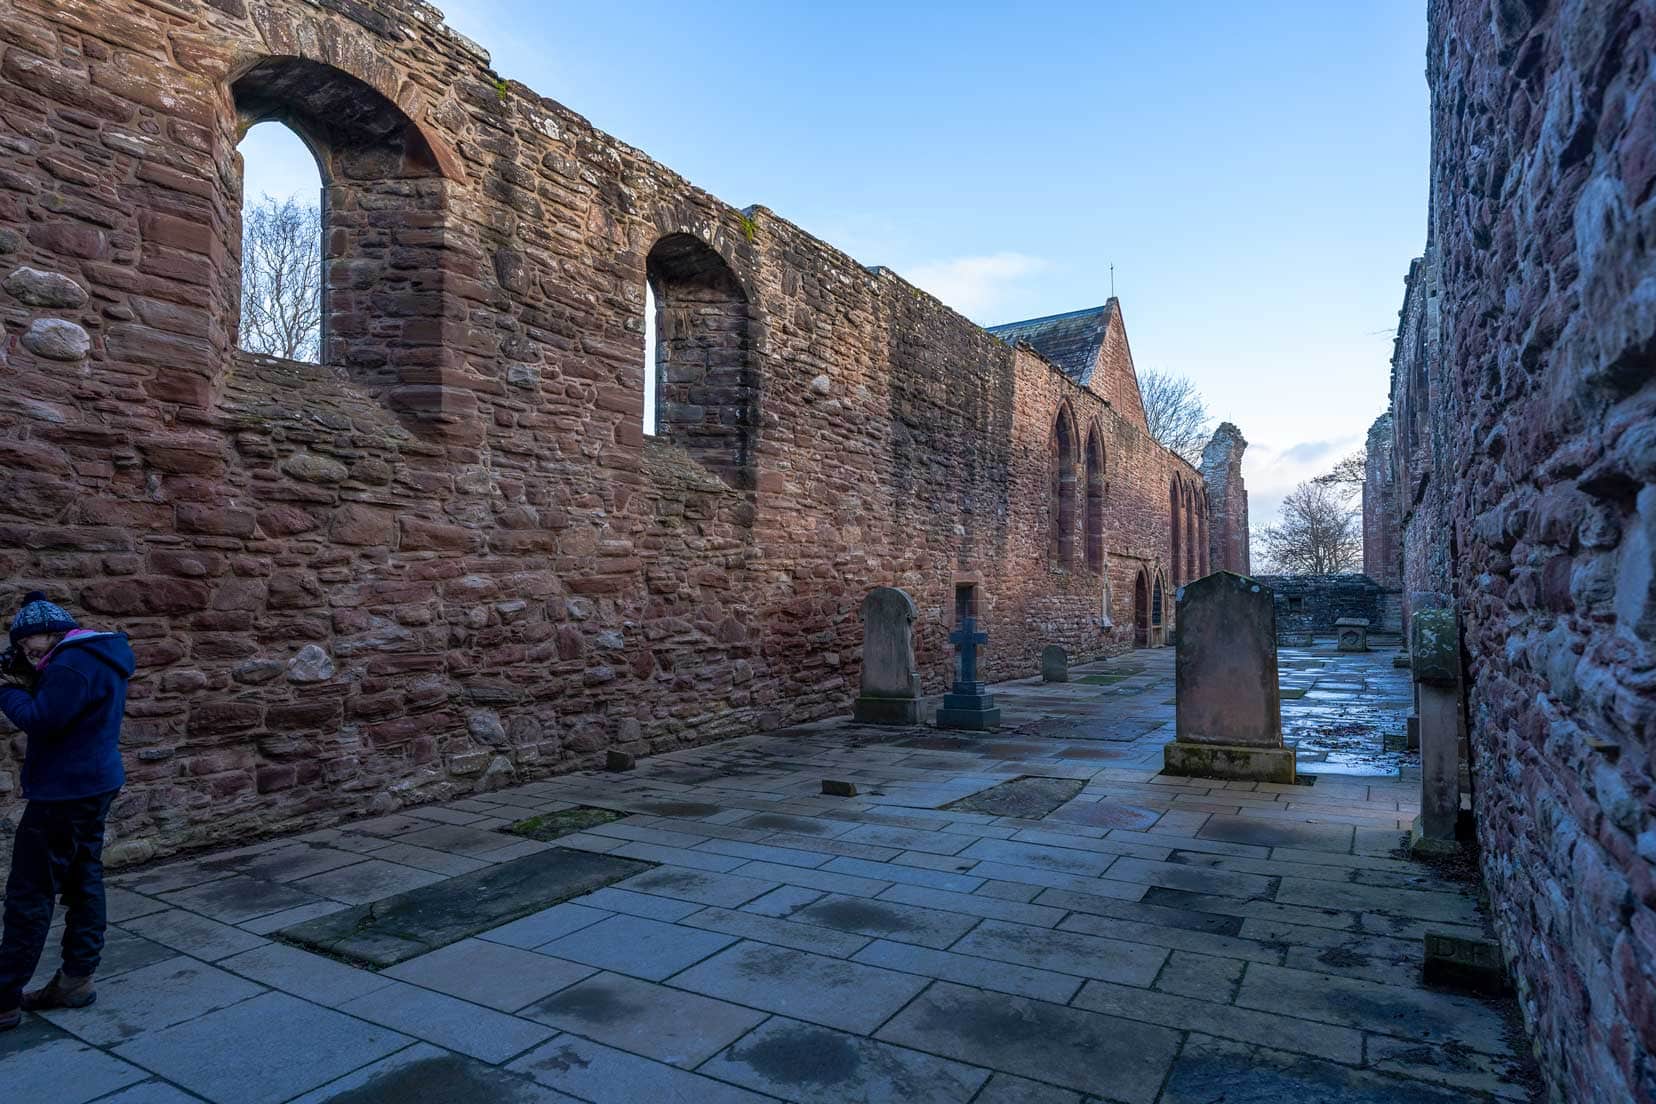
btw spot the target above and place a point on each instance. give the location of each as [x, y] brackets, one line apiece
[1256, 173]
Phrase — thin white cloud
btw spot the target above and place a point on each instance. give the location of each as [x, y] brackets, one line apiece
[974, 286]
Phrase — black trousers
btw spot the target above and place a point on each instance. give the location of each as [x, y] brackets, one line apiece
[58, 852]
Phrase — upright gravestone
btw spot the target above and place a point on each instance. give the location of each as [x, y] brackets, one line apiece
[1227, 704]
[1434, 647]
[890, 679]
[1054, 664]
[969, 704]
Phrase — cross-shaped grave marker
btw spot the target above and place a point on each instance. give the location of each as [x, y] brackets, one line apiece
[966, 705]
[966, 639]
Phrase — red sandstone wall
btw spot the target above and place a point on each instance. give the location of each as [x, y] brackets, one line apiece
[1544, 168]
[450, 558]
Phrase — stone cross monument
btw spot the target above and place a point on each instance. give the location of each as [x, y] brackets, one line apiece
[890, 678]
[1229, 710]
[967, 705]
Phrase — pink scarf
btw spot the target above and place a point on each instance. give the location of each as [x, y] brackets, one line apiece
[72, 634]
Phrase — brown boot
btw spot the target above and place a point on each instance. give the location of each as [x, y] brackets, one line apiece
[9, 1020]
[62, 991]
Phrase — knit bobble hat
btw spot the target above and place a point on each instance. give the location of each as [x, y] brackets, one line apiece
[38, 617]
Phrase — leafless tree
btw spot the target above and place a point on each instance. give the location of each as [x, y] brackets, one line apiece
[1317, 532]
[1178, 417]
[281, 311]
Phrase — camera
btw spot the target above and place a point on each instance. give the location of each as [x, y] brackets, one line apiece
[14, 664]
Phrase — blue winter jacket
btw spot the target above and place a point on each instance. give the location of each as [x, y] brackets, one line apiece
[73, 719]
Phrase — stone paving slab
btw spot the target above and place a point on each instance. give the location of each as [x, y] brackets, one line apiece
[39, 1062]
[669, 1025]
[430, 1075]
[1215, 1069]
[812, 1064]
[638, 947]
[1064, 952]
[1091, 1053]
[605, 1075]
[194, 935]
[886, 920]
[491, 974]
[261, 1051]
[152, 998]
[302, 974]
[827, 991]
[1001, 977]
[449, 1022]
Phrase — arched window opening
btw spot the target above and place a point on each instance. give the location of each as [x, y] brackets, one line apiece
[1063, 490]
[1202, 536]
[381, 310]
[1157, 602]
[281, 246]
[652, 375]
[1095, 503]
[1173, 525]
[1191, 561]
[1141, 611]
[705, 397]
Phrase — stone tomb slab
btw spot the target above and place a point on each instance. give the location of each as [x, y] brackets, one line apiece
[398, 928]
[1030, 798]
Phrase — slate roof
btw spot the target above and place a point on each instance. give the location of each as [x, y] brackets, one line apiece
[1070, 341]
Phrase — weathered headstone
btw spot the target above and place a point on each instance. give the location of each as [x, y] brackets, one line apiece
[1228, 707]
[1054, 664]
[890, 678]
[968, 705]
[1351, 634]
[1434, 647]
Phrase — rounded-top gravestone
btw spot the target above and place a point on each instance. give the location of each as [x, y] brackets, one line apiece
[1054, 664]
[890, 677]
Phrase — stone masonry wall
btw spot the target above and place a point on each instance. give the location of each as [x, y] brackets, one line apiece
[1544, 200]
[450, 557]
[1308, 605]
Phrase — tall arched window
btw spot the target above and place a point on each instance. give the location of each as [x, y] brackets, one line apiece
[705, 398]
[652, 375]
[1158, 600]
[1095, 502]
[281, 247]
[1063, 489]
[1141, 610]
[1202, 533]
[1191, 560]
[385, 309]
[1174, 528]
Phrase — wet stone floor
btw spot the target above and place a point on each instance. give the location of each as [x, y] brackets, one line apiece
[1102, 933]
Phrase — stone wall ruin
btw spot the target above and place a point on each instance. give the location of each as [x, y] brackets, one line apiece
[449, 556]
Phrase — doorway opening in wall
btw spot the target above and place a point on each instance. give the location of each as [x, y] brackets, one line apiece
[965, 601]
[281, 274]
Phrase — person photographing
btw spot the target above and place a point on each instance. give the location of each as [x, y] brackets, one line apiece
[65, 687]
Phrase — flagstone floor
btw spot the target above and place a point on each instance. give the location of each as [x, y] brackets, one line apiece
[1150, 940]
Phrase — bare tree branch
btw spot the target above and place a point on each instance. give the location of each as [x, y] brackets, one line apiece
[1317, 532]
[282, 279]
[1178, 417]
[1347, 477]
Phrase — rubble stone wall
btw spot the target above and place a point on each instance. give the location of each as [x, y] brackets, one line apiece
[450, 557]
[1544, 403]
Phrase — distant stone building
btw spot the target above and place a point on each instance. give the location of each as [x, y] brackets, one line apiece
[1523, 447]
[1382, 550]
[454, 553]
